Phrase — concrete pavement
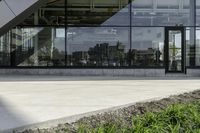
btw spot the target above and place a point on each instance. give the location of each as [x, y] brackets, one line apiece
[26, 100]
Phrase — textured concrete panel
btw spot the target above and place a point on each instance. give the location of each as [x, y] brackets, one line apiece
[139, 73]
[193, 72]
[102, 72]
[107, 72]
[150, 72]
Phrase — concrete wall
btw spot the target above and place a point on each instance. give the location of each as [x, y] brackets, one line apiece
[193, 72]
[88, 72]
[100, 72]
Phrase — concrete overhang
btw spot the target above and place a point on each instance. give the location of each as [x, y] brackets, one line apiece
[12, 12]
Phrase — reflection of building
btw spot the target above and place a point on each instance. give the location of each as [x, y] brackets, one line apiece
[22, 46]
[101, 55]
[106, 55]
[101, 33]
[149, 57]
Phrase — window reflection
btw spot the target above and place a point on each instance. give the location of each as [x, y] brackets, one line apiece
[197, 12]
[147, 47]
[5, 50]
[197, 46]
[190, 46]
[97, 46]
[38, 47]
[161, 13]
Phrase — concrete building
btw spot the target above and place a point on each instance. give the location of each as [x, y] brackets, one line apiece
[100, 37]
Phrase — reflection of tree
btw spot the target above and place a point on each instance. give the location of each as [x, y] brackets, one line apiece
[174, 51]
[44, 54]
[58, 57]
[117, 54]
[52, 56]
[149, 57]
[174, 54]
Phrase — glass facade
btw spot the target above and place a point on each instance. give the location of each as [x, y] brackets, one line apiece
[102, 33]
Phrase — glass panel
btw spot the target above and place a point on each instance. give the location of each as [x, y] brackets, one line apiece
[5, 49]
[197, 12]
[190, 46]
[161, 13]
[98, 12]
[142, 4]
[188, 50]
[175, 50]
[147, 47]
[53, 13]
[198, 46]
[98, 46]
[38, 46]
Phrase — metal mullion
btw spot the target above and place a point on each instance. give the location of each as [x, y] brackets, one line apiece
[66, 23]
[130, 32]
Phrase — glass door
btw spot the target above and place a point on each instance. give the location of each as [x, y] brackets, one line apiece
[174, 49]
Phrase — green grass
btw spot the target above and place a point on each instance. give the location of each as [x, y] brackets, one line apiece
[179, 118]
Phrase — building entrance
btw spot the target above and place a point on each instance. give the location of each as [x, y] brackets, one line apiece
[174, 50]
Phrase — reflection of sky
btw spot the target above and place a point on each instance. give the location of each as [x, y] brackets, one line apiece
[198, 34]
[175, 38]
[60, 32]
[144, 38]
[188, 34]
[178, 40]
[60, 39]
[122, 17]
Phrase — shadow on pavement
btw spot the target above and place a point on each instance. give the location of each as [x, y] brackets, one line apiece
[9, 117]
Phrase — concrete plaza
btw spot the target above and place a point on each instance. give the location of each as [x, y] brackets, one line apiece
[27, 100]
